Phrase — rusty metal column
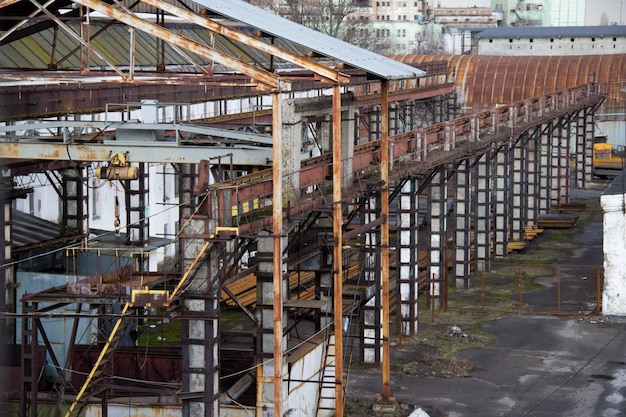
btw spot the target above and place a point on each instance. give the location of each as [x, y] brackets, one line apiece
[384, 202]
[337, 251]
[277, 227]
[408, 259]
[462, 228]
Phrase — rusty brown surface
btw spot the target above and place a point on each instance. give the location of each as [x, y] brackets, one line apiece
[505, 79]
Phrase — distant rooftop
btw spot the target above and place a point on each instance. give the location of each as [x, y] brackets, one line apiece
[552, 31]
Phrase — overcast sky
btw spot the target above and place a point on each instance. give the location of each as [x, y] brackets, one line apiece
[611, 7]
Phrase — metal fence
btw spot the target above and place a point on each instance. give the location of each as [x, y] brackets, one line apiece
[540, 289]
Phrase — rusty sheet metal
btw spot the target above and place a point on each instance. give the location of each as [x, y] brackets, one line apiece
[489, 80]
[162, 364]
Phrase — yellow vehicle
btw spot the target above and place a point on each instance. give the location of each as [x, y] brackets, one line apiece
[607, 161]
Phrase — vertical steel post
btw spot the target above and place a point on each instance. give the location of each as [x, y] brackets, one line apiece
[277, 225]
[337, 251]
[384, 203]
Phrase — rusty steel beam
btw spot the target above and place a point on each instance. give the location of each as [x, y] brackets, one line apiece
[268, 79]
[337, 251]
[384, 231]
[5, 3]
[137, 151]
[313, 66]
[277, 231]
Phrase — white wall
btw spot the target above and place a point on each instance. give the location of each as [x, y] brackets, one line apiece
[614, 242]
[552, 46]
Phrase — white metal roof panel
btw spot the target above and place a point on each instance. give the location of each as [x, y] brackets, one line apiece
[371, 62]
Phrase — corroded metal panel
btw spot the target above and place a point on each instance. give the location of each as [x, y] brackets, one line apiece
[488, 80]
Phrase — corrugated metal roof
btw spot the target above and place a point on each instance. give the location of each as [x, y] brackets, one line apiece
[368, 61]
[29, 230]
[552, 31]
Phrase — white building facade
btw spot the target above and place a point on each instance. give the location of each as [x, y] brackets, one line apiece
[544, 41]
[614, 242]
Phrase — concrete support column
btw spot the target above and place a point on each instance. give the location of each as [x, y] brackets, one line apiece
[395, 124]
[291, 146]
[200, 343]
[483, 210]
[374, 123]
[585, 126]
[408, 115]
[462, 228]
[614, 214]
[323, 130]
[501, 201]
[323, 290]
[408, 258]
[545, 150]
[266, 330]
[559, 188]
[519, 190]
[371, 330]
[347, 144]
[532, 179]
[138, 213]
[7, 281]
[74, 202]
[437, 271]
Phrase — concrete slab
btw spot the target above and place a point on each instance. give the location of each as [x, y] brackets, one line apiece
[539, 366]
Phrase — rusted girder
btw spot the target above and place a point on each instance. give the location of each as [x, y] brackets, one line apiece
[270, 80]
[319, 69]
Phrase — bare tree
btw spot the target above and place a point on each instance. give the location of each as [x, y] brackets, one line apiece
[341, 19]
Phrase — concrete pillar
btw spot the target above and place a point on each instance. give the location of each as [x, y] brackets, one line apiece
[291, 145]
[501, 202]
[75, 208]
[374, 123]
[371, 335]
[7, 281]
[265, 320]
[519, 191]
[408, 258]
[585, 126]
[555, 164]
[614, 225]
[200, 343]
[482, 180]
[545, 150]
[437, 273]
[323, 129]
[323, 288]
[408, 115]
[462, 228]
[532, 179]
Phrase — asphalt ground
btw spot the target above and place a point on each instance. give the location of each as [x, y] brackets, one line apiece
[537, 365]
